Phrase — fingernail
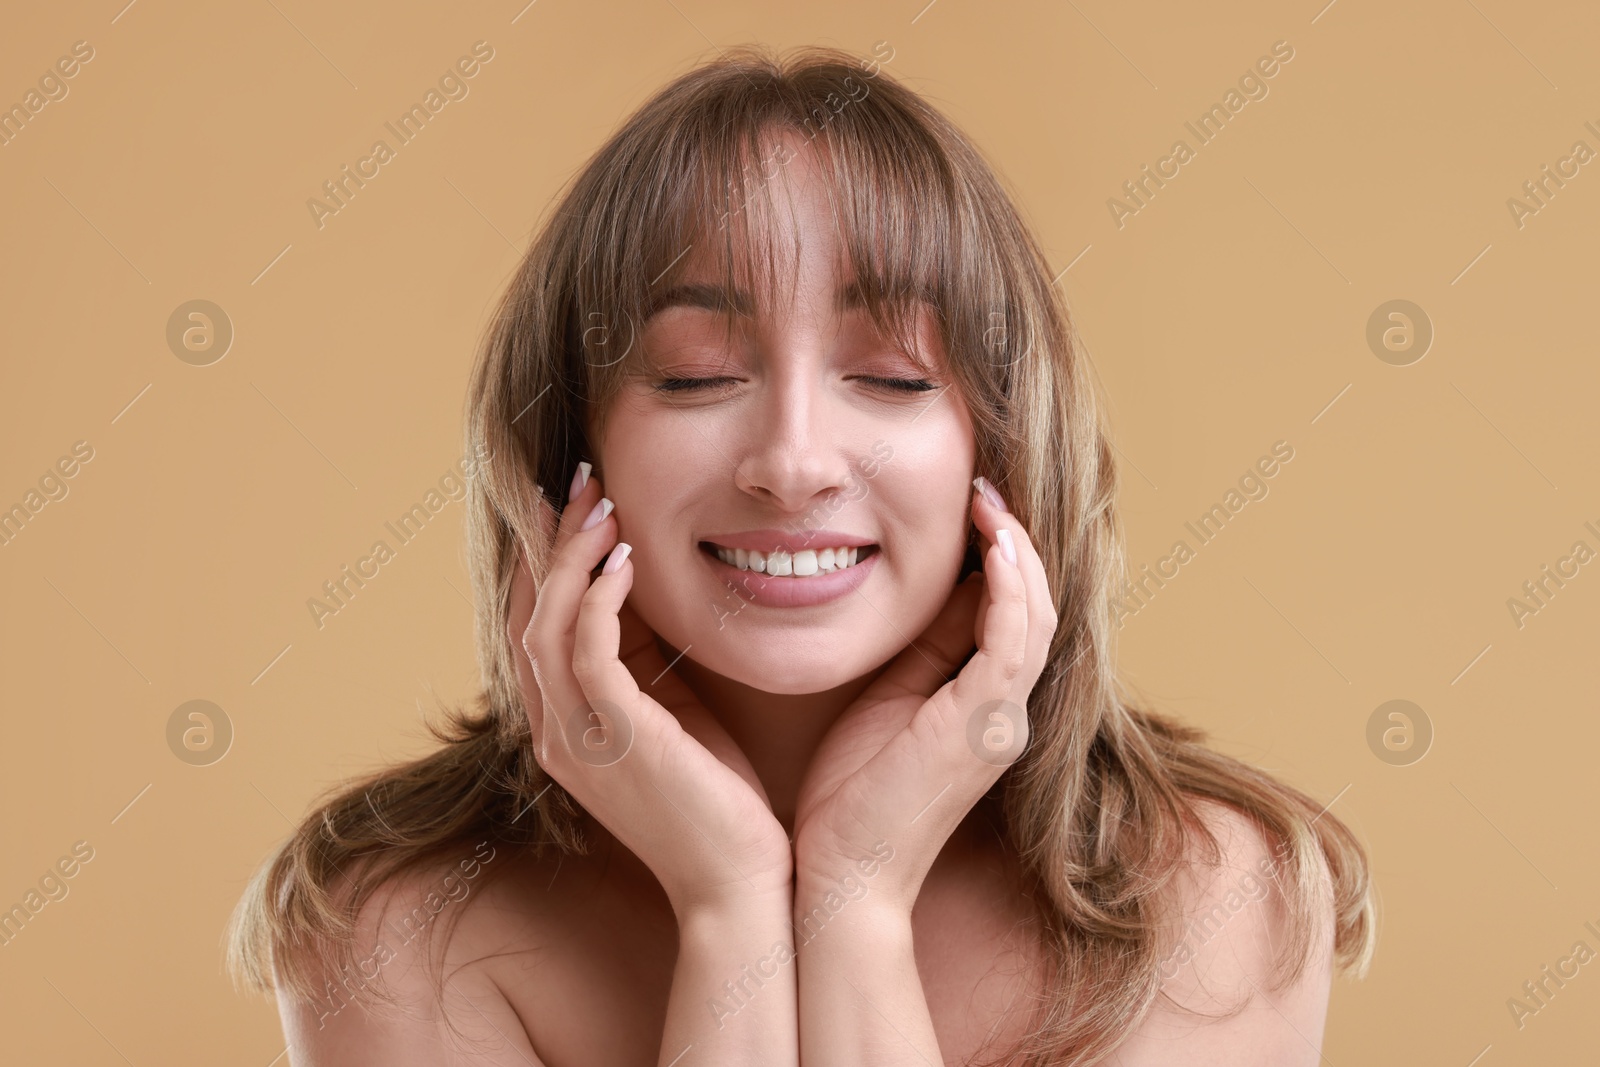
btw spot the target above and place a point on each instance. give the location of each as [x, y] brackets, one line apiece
[1008, 548]
[579, 480]
[989, 492]
[598, 515]
[618, 554]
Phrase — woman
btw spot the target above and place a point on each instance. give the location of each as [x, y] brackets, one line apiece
[800, 729]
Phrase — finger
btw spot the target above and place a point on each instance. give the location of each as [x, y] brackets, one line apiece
[606, 687]
[639, 653]
[653, 674]
[579, 506]
[1042, 617]
[551, 632]
[994, 671]
[524, 591]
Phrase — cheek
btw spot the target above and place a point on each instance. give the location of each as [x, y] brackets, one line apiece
[926, 517]
[647, 457]
[945, 488]
[926, 481]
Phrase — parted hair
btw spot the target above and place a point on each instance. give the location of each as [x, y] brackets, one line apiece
[1105, 803]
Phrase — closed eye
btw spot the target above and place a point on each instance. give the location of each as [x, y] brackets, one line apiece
[686, 385]
[904, 385]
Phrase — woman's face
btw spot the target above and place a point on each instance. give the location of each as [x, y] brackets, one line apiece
[791, 446]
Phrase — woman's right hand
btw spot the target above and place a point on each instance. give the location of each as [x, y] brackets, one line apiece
[700, 822]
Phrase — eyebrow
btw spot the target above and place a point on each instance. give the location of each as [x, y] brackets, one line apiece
[715, 298]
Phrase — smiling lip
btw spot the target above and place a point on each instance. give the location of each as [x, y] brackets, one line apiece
[765, 541]
[789, 592]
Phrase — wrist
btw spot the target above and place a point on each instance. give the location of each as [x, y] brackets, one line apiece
[851, 900]
[876, 882]
[754, 909]
[828, 924]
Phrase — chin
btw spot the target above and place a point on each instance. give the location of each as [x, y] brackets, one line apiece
[799, 676]
[794, 682]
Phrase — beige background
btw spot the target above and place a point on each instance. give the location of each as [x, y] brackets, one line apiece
[1228, 314]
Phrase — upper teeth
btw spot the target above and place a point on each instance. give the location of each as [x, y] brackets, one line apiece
[795, 565]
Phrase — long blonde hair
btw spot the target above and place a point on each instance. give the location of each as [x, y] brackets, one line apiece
[1100, 809]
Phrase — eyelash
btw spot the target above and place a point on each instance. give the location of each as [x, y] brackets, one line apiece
[899, 385]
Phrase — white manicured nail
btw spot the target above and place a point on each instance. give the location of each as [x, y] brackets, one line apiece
[1008, 548]
[618, 554]
[579, 480]
[598, 515]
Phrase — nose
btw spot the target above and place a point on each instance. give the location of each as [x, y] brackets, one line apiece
[795, 455]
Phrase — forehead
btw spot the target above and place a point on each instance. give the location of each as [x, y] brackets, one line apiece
[918, 332]
[711, 296]
[790, 240]
[780, 221]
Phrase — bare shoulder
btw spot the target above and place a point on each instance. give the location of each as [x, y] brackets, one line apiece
[422, 987]
[1217, 1004]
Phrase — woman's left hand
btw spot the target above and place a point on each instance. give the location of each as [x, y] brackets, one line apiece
[897, 773]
